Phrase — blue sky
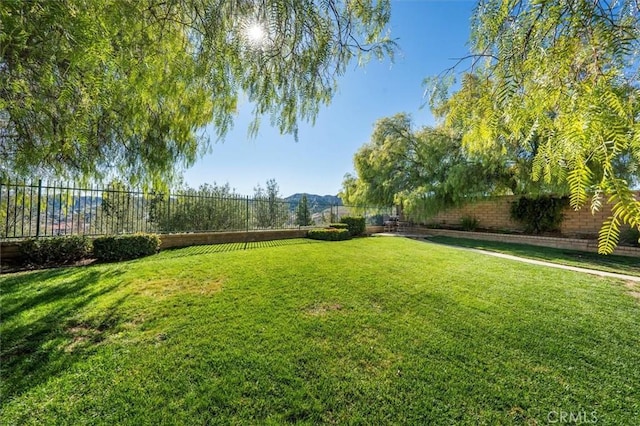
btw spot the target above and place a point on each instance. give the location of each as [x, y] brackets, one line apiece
[430, 33]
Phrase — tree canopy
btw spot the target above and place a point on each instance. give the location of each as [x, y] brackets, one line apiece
[429, 169]
[269, 208]
[89, 88]
[549, 104]
[559, 79]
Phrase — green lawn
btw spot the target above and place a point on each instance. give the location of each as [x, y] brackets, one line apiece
[611, 263]
[368, 331]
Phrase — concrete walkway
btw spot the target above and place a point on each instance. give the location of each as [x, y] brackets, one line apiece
[520, 259]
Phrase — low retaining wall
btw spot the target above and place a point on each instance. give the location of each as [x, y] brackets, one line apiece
[206, 238]
[10, 250]
[374, 230]
[561, 243]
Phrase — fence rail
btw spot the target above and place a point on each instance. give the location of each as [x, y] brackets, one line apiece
[43, 210]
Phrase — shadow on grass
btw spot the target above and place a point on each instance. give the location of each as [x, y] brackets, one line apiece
[611, 263]
[228, 247]
[42, 332]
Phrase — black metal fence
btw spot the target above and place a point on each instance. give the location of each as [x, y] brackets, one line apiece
[41, 210]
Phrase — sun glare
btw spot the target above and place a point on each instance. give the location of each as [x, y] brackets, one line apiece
[255, 34]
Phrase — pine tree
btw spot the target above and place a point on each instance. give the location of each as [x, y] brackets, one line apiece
[303, 215]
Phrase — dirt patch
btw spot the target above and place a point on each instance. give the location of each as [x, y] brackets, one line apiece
[635, 294]
[323, 309]
[634, 289]
[82, 335]
[168, 287]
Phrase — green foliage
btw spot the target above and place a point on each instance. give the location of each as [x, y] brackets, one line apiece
[329, 234]
[376, 220]
[120, 210]
[208, 208]
[356, 225]
[339, 225]
[270, 210]
[630, 237]
[18, 209]
[626, 209]
[560, 86]
[428, 170]
[469, 223]
[303, 214]
[122, 247]
[89, 86]
[540, 214]
[55, 250]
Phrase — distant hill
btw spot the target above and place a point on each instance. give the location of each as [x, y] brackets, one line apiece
[316, 203]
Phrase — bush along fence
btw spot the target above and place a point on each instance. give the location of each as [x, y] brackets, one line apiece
[56, 251]
[43, 210]
[349, 226]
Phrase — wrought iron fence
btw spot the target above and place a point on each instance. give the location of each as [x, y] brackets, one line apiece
[42, 210]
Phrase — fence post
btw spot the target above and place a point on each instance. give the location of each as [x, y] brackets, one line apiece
[39, 211]
[169, 210]
[6, 226]
[246, 238]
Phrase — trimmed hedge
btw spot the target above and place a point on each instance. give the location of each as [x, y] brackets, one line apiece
[356, 224]
[329, 234]
[55, 250]
[122, 247]
[339, 225]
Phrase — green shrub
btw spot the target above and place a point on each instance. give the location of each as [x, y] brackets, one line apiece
[469, 223]
[541, 214]
[630, 237]
[329, 234]
[122, 247]
[339, 225]
[55, 250]
[356, 224]
[376, 220]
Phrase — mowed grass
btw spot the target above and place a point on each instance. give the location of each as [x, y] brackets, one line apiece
[610, 263]
[368, 331]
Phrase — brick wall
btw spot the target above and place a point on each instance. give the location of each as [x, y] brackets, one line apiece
[491, 214]
[494, 214]
[534, 240]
